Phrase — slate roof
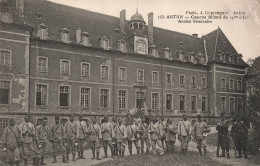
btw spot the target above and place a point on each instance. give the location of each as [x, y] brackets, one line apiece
[57, 16]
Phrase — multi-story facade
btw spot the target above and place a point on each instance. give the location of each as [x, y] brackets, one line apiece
[60, 59]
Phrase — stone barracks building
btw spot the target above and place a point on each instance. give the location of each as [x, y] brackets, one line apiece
[56, 59]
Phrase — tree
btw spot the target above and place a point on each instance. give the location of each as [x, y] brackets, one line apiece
[250, 61]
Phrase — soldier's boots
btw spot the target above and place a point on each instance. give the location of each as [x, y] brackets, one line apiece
[239, 155]
[73, 157]
[25, 162]
[42, 161]
[79, 155]
[138, 152]
[205, 152]
[200, 152]
[105, 151]
[223, 153]
[147, 151]
[123, 153]
[93, 154]
[34, 161]
[228, 157]
[142, 151]
[54, 159]
[98, 156]
[38, 161]
[67, 157]
[64, 159]
[82, 155]
[130, 152]
[217, 153]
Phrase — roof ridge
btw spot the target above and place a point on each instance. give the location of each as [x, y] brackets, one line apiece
[216, 43]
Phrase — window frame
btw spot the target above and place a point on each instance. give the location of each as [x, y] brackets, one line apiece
[158, 100]
[156, 78]
[238, 85]
[10, 58]
[103, 44]
[126, 99]
[225, 104]
[183, 79]
[83, 40]
[137, 77]
[119, 73]
[69, 97]
[182, 100]
[108, 102]
[65, 37]
[47, 94]
[10, 91]
[234, 105]
[225, 85]
[101, 76]
[196, 104]
[81, 67]
[202, 82]
[88, 87]
[47, 64]
[166, 78]
[195, 81]
[166, 101]
[206, 103]
[69, 73]
[230, 87]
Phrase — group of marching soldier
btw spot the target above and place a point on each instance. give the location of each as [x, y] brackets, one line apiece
[25, 140]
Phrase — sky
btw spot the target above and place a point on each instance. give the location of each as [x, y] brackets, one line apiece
[244, 34]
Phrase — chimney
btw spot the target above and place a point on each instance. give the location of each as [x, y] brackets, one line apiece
[150, 26]
[195, 35]
[20, 7]
[122, 20]
[78, 35]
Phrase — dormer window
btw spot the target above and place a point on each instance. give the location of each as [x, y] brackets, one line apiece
[85, 38]
[42, 31]
[65, 35]
[230, 59]
[167, 53]
[154, 51]
[104, 43]
[222, 57]
[38, 16]
[181, 56]
[192, 59]
[121, 46]
[141, 46]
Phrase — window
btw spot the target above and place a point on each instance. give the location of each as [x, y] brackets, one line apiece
[223, 84]
[122, 46]
[155, 77]
[64, 95]
[41, 95]
[140, 46]
[85, 40]
[42, 64]
[104, 72]
[4, 92]
[65, 67]
[239, 61]
[122, 99]
[140, 75]
[65, 37]
[193, 103]
[203, 104]
[167, 53]
[104, 96]
[181, 56]
[168, 101]
[43, 31]
[85, 69]
[223, 104]
[193, 81]
[155, 101]
[122, 73]
[203, 82]
[154, 51]
[105, 44]
[231, 59]
[222, 57]
[239, 85]
[84, 97]
[182, 79]
[231, 84]
[182, 102]
[239, 105]
[192, 59]
[3, 124]
[232, 106]
[168, 78]
[5, 58]
[140, 100]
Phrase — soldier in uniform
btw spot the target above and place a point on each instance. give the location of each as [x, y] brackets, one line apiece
[155, 135]
[184, 134]
[28, 132]
[162, 125]
[243, 138]
[114, 124]
[57, 136]
[94, 138]
[71, 137]
[82, 126]
[11, 140]
[133, 137]
[235, 133]
[223, 139]
[170, 135]
[120, 136]
[41, 137]
[108, 134]
[144, 138]
[199, 132]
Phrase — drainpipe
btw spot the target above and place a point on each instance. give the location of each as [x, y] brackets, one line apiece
[162, 85]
